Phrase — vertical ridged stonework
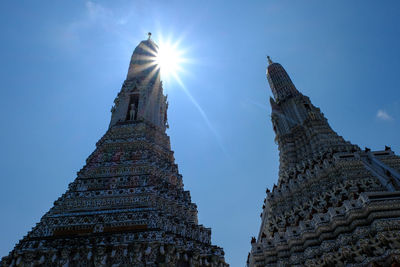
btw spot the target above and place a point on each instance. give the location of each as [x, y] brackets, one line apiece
[334, 204]
[127, 206]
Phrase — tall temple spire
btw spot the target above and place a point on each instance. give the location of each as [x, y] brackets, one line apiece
[127, 205]
[141, 97]
[302, 131]
[334, 204]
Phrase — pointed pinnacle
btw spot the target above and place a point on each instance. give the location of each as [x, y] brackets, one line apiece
[269, 60]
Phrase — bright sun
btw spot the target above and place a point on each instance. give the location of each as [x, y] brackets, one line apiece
[169, 59]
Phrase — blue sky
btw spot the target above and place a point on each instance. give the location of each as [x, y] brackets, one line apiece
[63, 62]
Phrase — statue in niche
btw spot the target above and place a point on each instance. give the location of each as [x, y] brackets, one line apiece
[132, 112]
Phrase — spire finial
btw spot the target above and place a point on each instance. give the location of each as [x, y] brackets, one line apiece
[149, 34]
[269, 60]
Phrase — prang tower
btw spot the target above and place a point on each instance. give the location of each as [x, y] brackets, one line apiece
[334, 204]
[127, 206]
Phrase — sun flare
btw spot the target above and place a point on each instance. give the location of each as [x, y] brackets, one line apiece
[170, 59]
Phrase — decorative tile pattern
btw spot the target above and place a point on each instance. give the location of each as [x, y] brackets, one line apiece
[127, 206]
[334, 203]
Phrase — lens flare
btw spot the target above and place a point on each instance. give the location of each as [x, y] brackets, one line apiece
[170, 59]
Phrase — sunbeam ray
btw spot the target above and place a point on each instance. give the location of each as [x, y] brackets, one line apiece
[170, 59]
[203, 115]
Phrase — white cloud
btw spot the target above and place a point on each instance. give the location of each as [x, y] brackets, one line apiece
[383, 115]
[97, 12]
[95, 16]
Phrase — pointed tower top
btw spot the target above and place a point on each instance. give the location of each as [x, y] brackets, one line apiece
[142, 60]
[281, 85]
[269, 60]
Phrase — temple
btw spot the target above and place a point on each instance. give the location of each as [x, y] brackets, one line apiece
[127, 205]
[334, 204]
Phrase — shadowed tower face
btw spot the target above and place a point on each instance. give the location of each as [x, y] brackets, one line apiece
[127, 206]
[302, 131]
[334, 204]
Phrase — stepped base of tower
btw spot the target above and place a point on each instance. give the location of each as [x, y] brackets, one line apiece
[142, 248]
[338, 209]
[364, 233]
[127, 207]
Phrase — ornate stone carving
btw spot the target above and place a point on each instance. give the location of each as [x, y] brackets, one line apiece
[127, 205]
[334, 204]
